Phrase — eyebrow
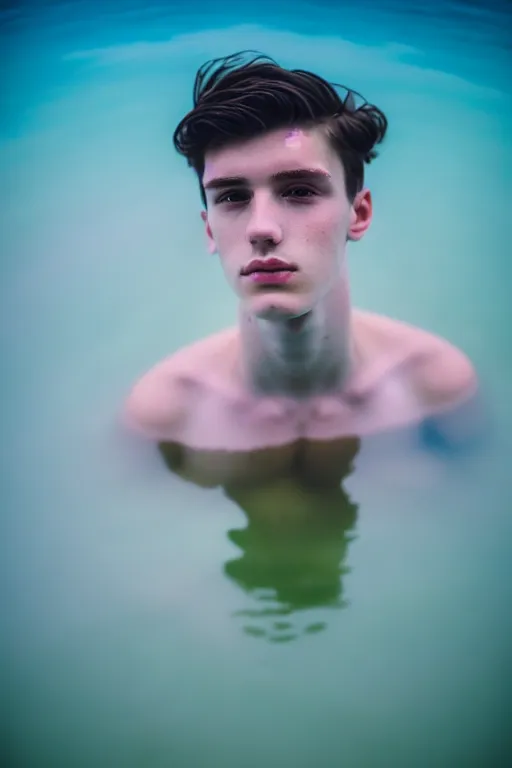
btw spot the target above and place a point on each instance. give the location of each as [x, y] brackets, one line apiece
[313, 174]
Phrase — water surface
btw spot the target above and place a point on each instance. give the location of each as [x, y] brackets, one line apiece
[150, 622]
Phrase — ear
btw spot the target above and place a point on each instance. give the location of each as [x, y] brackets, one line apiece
[360, 215]
[212, 248]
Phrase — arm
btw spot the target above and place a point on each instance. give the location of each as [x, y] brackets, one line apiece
[458, 430]
[455, 416]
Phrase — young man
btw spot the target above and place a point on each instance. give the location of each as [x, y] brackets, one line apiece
[280, 161]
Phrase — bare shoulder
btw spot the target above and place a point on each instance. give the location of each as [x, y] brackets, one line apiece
[438, 372]
[159, 403]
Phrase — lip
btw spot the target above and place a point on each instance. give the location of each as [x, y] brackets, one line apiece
[272, 278]
[261, 269]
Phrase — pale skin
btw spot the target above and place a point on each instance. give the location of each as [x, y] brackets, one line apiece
[302, 374]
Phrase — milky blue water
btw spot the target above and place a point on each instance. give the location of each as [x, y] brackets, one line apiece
[142, 625]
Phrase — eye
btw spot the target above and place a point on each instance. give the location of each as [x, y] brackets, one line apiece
[300, 193]
[232, 197]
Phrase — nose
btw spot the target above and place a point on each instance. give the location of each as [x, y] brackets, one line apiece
[263, 229]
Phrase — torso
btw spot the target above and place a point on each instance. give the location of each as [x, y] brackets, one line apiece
[227, 437]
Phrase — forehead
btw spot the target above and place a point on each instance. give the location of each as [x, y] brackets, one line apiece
[263, 156]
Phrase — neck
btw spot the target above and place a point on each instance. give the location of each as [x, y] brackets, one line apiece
[303, 356]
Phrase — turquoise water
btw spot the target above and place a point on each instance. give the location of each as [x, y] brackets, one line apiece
[150, 622]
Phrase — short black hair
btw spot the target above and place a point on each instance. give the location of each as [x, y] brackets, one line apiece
[247, 94]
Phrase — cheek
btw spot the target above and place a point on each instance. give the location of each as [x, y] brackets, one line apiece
[224, 233]
[226, 246]
[327, 229]
[227, 243]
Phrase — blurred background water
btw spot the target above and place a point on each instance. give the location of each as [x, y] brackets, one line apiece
[144, 622]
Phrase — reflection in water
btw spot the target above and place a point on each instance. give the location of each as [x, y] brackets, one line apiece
[300, 522]
[294, 551]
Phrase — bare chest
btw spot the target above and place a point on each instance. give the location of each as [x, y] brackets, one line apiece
[316, 440]
[218, 423]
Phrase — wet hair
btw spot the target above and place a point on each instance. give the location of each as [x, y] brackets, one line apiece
[247, 94]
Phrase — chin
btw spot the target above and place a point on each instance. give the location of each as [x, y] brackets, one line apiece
[276, 305]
